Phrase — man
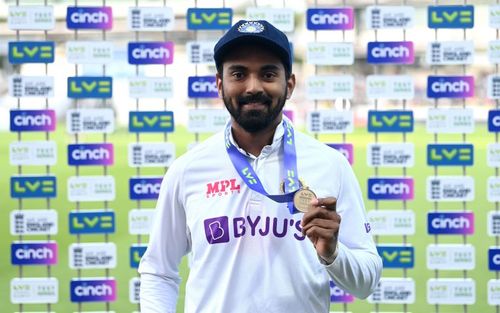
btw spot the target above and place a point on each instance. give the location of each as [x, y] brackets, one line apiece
[233, 202]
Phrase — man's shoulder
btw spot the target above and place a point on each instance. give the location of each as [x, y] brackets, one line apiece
[202, 151]
[309, 145]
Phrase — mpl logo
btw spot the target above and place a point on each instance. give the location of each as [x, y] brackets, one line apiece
[450, 86]
[450, 154]
[345, 148]
[397, 256]
[89, 18]
[136, 252]
[450, 223]
[494, 259]
[222, 188]
[91, 222]
[330, 19]
[494, 121]
[390, 188]
[90, 87]
[93, 290]
[33, 253]
[209, 18]
[202, 87]
[144, 188]
[391, 52]
[31, 52]
[33, 187]
[91, 154]
[151, 122]
[450, 16]
[390, 121]
[32, 120]
[140, 53]
[338, 295]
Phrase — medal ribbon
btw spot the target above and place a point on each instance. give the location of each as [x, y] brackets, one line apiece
[251, 179]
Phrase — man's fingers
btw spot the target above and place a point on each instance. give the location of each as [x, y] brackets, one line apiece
[319, 232]
[329, 202]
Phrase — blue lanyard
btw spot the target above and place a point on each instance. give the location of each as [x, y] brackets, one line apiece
[251, 179]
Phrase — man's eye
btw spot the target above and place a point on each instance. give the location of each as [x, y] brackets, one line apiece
[269, 75]
[237, 75]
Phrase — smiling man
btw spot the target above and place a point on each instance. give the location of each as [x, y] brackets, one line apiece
[269, 214]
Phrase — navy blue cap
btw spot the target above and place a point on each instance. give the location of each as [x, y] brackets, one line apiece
[259, 32]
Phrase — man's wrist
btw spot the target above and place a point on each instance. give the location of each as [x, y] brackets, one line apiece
[331, 259]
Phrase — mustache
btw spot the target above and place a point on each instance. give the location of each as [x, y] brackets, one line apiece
[259, 97]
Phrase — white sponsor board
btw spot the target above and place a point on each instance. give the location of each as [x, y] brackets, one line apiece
[200, 52]
[451, 257]
[151, 87]
[34, 290]
[91, 188]
[92, 255]
[330, 122]
[33, 153]
[90, 121]
[494, 51]
[282, 19]
[450, 121]
[33, 222]
[494, 16]
[494, 292]
[330, 87]
[493, 90]
[151, 154]
[392, 222]
[134, 288]
[390, 154]
[330, 53]
[89, 52]
[140, 221]
[31, 86]
[31, 17]
[151, 19]
[450, 52]
[451, 291]
[394, 291]
[401, 17]
[207, 120]
[493, 189]
[493, 154]
[450, 188]
[397, 87]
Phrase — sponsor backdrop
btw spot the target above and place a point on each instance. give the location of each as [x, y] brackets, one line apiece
[102, 97]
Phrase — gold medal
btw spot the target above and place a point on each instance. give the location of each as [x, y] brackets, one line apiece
[302, 198]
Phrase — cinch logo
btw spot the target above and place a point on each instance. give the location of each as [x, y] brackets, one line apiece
[397, 52]
[390, 121]
[222, 188]
[397, 257]
[494, 121]
[450, 155]
[390, 188]
[450, 16]
[32, 120]
[450, 86]
[494, 259]
[98, 290]
[99, 222]
[332, 19]
[459, 223]
[151, 122]
[33, 253]
[144, 188]
[33, 187]
[90, 87]
[345, 148]
[90, 154]
[89, 18]
[213, 18]
[222, 229]
[338, 295]
[141, 53]
[31, 52]
[202, 87]
[136, 253]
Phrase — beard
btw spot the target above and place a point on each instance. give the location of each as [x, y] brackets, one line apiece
[254, 121]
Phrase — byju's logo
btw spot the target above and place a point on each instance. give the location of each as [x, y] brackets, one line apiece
[33, 253]
[89, 18]
[32, 120]
[144, 188]
[450, 16]
[151, 122]
[136, 252]
[140, 53]
[222, 188]
[90, 154]
[392, 52]
[90, 87]
[93, 290]
[450, 86]
[397, 256]
[494, 259]
[450, 155]
[212, 18]
[91, 222]
[31, 52]
[345, 148]
[202, 87]
[390, 121]
[390, 188]
[330, 19]
[452, 223]
[494, 121]
[338, 295]
[33, 187]
[217, 230]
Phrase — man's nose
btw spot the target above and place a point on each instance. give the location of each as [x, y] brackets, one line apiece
[254, 85]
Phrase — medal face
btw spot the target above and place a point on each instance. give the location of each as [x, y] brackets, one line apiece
[302, 198]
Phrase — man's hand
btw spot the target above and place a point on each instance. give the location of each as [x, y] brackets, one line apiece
[321, 225]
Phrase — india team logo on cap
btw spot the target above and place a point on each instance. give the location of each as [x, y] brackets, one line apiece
[251, 27]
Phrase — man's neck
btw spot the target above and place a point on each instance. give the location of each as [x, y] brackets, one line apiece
[253, 143]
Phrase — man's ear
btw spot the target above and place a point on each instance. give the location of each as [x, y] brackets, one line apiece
[290, 85]
[218, 81]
